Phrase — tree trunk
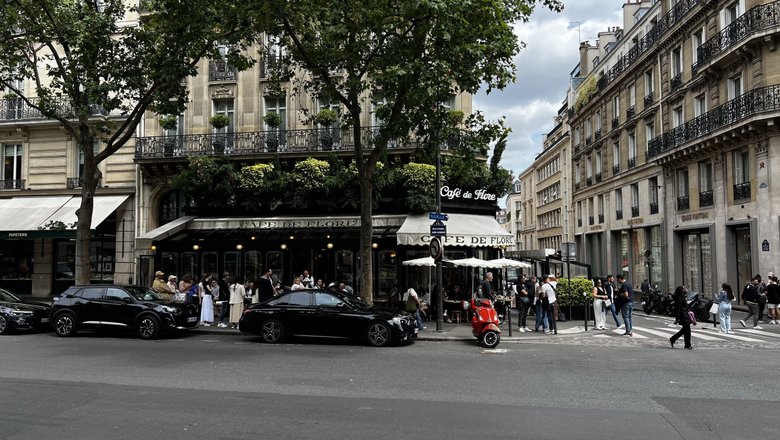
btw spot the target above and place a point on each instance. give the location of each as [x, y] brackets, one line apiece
[89, 181]
[366, 173]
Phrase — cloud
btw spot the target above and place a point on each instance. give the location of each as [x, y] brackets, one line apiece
[543, 72]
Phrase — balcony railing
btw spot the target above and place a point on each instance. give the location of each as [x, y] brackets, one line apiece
[649, 99]
[706, 199]
[272, 64]
[755, 20]
[654, 208]
[12, 184]
[619, 214]
[765, 99]
[634, 211]
[588, 141]
[597, 135]
[601, 218]
[577, 148]
[615, 170]
[631, 163]
[742, 191]
[259, 142]
[579, 222]
[220, 70]
[615, 123]
[577, 185]
[591, 221]
[589, 181]
[676, 82]
[630, 112]
[598, 177]
[649, 41]
[683, 203]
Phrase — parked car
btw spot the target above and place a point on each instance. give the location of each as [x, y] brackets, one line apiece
[101, 307]
[320, 313]
[18, 314]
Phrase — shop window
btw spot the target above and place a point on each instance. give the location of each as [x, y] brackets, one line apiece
[189, 265]
[345, 267]
[388, 275]
[231, 264]
[101, 258]
[252, 265]
[210, 261]
[172, 206]
[274, 262]
[170, 264]
[16, 259]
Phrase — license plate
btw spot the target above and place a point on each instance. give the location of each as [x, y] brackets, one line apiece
[192, 319]
[44, 320]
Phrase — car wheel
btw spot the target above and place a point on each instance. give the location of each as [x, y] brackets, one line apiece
[148, 327]
[272, 331]
[490, 339]
[378, 334]
[65, 324]
[5, 327]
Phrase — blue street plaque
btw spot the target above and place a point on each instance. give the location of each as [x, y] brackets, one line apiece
[438, 229]
[438, 216]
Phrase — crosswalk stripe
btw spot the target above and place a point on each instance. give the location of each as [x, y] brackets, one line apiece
[694, 334]
[620, 331]
[739, 338]
[760, 332]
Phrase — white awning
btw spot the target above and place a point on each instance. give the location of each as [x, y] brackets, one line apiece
[144, 241]
[462, 230]
[30, 213]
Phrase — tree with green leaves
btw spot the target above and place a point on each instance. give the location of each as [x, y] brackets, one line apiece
[406, 56]
[96, 67]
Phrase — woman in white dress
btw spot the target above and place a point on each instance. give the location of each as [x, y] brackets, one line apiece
[237, 292]
[206, 301]
[599, 311]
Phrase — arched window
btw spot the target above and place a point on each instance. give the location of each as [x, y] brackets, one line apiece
[172, 206]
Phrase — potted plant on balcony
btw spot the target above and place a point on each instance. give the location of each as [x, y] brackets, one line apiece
[219, 122]
[168, 123]
[325, 118]
[12, 105]
[273, 120]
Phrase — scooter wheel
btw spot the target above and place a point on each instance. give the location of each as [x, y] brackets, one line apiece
[490, 339]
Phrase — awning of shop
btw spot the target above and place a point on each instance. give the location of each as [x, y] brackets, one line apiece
[144, 241]
[462, 230]
[291, 223]
[23, 217]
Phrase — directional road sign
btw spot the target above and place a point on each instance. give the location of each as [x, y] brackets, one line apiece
[438, 216]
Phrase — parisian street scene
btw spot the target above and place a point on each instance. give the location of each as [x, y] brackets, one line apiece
[321, 219]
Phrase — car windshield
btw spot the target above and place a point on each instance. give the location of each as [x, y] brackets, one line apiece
[142, 294]
[351, 300]
[8, 296]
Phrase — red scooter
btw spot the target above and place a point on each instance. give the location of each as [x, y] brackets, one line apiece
[484, 322]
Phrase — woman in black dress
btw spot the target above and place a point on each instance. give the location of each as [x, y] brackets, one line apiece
[681, 317]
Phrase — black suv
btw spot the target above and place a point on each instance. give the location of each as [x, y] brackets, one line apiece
[102, 307]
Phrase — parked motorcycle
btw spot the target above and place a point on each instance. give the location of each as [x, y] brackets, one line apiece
[651, 299]
[484, 322]
[699, 306]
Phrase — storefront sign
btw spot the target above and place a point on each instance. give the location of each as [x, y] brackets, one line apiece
[472, 240]
[461, 194]
[596, 227]
[301, 223]
[695, 216]
[636, 221]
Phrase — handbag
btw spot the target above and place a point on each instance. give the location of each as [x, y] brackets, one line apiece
[692, 317]
[525, 299]
[607, 303]
[714, 309]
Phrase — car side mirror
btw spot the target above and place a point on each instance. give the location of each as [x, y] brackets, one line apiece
[127, 299]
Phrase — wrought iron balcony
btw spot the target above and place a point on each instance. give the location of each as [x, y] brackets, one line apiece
[8, 184]
[589, 181]
[577, 148]
[16, 109]
[654, 208]
[220, 70]
[598, 177]
[619, 214]
[76, 183]
[630, 112]
[273, 65]
[577, 185]
[649, 99]
[631, 163]
[634, 211]
[601, 218]
[588, 141]
[755, 20]
[676, 82]
[649, 41]
[615, 170]
[597, 135]
[683, 203]
[742, 191]
[590, 220]
[706, 199]
[260, 142]
[615, 123]
[765, 99]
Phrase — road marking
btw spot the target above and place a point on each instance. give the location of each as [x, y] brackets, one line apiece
[619, 331]
[694, 334]
[760, 332]
[740, 338]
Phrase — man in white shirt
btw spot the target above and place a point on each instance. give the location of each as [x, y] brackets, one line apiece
[548, 287]
[307, 280]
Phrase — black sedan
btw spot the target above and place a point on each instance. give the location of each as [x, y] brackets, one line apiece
[103, 307]
[18, 314]
[320, 313]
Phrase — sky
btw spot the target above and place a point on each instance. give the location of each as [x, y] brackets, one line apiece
[543, 68]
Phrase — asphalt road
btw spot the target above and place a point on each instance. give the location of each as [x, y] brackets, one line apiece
[233, 387]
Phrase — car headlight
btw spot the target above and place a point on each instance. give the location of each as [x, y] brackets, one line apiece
[21, 313]
[168, 309]
[397, 322]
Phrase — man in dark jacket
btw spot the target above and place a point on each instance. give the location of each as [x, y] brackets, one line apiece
[223, 299]
[751, 296]
[609, 288]
[626, 302]
[487, 288]
[265, 287]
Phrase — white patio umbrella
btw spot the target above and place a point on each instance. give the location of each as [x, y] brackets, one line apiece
[504, 263]
[472, 263]
[422, 262]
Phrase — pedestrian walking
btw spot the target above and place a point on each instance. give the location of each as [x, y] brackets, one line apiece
[599, 309]
[236, 302]
[524, 298]
[682, 317]
[751, 297]
[222, 297]
[773, 300]
[539, 307]
[625, 295]
[725, 297]
[609, 287]
[412, 305]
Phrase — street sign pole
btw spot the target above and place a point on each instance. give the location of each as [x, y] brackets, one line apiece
[439, 296]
